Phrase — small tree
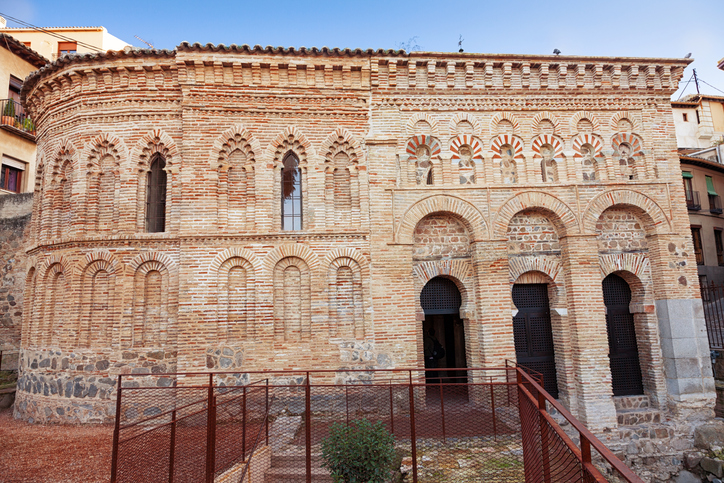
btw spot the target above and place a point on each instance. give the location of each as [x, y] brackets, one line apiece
[9, 108]
[359, 453]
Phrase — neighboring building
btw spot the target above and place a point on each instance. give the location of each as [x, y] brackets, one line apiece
[79, 40]
[235, 208]
[699, 121]
[17, 131]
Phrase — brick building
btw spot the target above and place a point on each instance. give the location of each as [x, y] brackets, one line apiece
[237, 208]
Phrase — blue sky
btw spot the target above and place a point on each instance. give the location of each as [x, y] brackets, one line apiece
[662, 28]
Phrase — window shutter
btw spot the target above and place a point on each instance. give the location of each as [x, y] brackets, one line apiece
[687, 174]
[710, 186]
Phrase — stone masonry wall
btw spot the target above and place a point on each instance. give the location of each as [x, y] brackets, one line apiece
[15, 214]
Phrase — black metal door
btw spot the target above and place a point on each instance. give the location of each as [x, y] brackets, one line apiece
[623, 351]
[533, 333]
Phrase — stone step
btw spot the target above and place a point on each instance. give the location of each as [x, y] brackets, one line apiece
[296, 474]
[623, 403]
[646, 431]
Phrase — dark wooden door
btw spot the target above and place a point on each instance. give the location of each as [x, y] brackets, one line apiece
[533, 333]
[623, 351]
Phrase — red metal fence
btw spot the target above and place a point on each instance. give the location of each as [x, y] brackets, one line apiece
[460, 425]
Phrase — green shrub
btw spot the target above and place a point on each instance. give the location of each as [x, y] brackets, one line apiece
[9, 109]
[359, 453]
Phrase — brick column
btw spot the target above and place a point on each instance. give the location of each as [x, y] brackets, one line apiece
[589, 340]
[493, 325]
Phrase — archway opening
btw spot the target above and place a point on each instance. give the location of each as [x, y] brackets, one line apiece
[444, 332]
[533, 333]
[623, 350]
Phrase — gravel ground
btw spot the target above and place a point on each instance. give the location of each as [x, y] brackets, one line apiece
[53, 453]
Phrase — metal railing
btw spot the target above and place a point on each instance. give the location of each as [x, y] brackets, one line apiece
[715, 204]
[712, 297]
[488, 425]
[12, 114]
[692, 200]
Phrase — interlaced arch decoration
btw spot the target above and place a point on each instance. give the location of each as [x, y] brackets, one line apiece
[588, 150]
[60, 199]
[577, 117]
[562, 216]
[463, 210]
[653, 216]
[628, 153]
[469, 162]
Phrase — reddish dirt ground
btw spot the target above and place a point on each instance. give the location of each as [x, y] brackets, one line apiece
[53, 453]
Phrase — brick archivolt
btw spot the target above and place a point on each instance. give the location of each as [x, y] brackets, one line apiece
[459, 271]
[291, 139]
[296, 250]
[466, 117]
[101, 258]
[618, 116]
[495, 120]
[156, 141]
[351, 253]
[465, 211]
[562, 216]
[234, 252]
[580, 115]
[550, 265]
[410, 127]
[340, 137]
[545, 116]
[653, 215]
[635, 263]
[105, 144]
[235, 137]
[152, 256]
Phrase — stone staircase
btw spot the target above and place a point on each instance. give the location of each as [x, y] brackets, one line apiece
[645, 440]
[289, 467]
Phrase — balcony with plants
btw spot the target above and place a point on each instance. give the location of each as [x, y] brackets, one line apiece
[13, 118]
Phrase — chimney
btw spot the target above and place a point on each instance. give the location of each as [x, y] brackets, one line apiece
[3, 23]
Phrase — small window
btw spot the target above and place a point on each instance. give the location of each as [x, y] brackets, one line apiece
[719, 247]
[686, 117]
[11, 178]
[698, 121]
[291, 193]
[14, 92]
[698, 250]
[67, 48]
[156, 196]
[27, 44]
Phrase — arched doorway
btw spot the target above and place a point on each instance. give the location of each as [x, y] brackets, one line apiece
[533, 334]
[440, 300]
[622, 347]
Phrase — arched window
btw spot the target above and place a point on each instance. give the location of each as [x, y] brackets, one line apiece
[291, 194]
[156, 196]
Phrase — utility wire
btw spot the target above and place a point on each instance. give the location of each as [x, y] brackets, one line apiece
[54, 34]
[687, 85]
[704, 82]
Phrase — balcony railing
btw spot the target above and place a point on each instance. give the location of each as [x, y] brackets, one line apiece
[715, 204]
[12, 114]
[692, 200]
